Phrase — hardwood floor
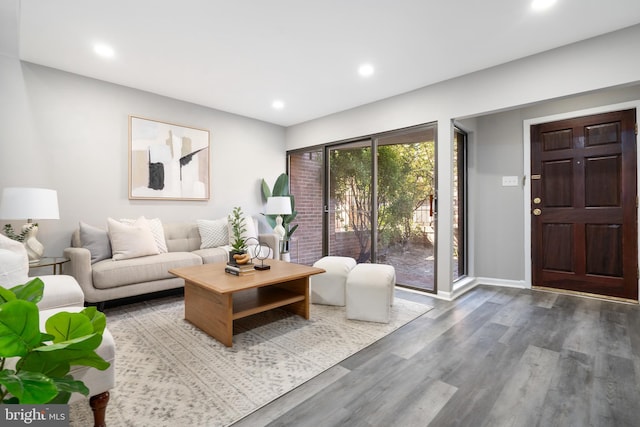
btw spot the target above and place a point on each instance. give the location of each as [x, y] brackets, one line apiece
[494, 357]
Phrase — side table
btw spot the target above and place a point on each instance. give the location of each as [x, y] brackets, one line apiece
[56, 262]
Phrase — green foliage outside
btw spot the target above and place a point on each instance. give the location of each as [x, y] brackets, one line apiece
[44, 360]
[406, 179]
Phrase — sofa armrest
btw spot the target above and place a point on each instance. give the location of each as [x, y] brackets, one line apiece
[79, 266]
[272, 240]
[60, 291]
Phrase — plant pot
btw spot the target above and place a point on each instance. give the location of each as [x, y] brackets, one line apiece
[232, 260]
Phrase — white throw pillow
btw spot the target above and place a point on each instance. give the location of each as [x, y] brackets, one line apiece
[131, 241]
[14, 263]
[213, 233]
[250, 230]
[155, 225]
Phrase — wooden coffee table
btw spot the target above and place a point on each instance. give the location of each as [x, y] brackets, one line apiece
[213, 299]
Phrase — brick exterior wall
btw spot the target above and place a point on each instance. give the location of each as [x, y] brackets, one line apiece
[305, 172]
[306, 178]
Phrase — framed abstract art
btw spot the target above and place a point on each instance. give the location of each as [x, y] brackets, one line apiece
[167, 161]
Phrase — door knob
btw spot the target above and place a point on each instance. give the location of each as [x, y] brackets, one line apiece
[537, 200]
[537, 212]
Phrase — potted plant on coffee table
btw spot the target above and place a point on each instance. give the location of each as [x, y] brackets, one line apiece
[238, 253]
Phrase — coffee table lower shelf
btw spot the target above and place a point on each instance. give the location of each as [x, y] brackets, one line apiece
[254, 301]
[214, 313]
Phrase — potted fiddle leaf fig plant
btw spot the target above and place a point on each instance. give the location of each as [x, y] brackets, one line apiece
[238, 253]
[35, 365]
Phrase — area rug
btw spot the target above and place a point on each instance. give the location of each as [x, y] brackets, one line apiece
[170, 373]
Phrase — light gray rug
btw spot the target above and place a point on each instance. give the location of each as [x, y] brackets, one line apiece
[169, 373]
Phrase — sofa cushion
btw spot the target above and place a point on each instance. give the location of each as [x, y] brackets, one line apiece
[111, 274]
[96, 240]
[131, 240]
[211, 255]
[182, 237]
[213, 233]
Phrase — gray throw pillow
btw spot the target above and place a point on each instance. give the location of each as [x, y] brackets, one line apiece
[96, 240]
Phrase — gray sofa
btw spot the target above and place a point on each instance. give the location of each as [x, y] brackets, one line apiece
[108, 280]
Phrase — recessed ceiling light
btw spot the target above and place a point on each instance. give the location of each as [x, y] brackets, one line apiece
[104, 50]
[278, 104]
[542, 4]
[366, 70]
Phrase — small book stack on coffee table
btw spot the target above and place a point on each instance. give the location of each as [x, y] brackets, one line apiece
[239, 269]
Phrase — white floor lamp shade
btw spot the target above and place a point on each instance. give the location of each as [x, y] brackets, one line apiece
[30, 203]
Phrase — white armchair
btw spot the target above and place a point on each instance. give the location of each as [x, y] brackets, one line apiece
[62, 293]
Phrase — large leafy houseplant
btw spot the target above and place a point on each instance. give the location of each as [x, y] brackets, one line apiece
[281, 188]
[43, 360]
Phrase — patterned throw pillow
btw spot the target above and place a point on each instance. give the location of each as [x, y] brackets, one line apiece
[213, 233]
[155, 225]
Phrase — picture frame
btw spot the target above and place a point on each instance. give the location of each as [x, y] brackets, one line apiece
[168, 161]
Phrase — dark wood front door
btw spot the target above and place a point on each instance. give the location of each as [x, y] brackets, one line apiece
[583, 205]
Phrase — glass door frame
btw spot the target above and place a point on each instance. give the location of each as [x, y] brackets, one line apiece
[326, 191]
[462, 190]
[372, 140]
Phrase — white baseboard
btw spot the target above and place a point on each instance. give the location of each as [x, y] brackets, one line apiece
[465, 285]
[520, 284]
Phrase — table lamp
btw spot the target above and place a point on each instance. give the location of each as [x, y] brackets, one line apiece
[29, 203]
[279, 205]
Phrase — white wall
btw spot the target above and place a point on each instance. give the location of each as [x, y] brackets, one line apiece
[70, 133]
[593, 67]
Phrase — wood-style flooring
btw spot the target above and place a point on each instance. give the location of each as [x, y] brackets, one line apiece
[493, 357]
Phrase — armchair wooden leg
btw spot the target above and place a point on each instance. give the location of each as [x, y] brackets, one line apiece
[99, 407]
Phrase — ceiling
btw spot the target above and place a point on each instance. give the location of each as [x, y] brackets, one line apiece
[239, 56]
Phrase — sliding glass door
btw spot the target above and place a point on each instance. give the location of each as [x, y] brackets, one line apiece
[348, 207]
[405, 205]
[370, 199]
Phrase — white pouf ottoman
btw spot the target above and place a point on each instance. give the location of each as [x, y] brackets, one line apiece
[370, 292]
[328, 288]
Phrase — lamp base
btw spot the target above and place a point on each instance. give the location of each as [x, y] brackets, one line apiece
[262, 267]
[34, 248]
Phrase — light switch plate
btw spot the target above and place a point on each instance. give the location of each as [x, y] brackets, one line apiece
[510, 181]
